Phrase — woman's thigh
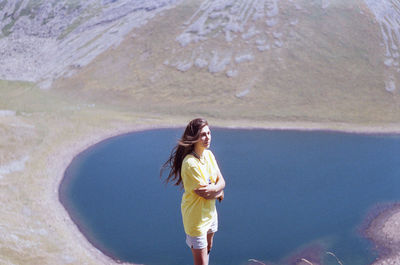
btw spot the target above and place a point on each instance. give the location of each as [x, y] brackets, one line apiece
[210, 238]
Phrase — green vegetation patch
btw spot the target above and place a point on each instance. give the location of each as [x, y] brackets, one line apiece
[3, 4]
[29, 9]
[6, 30]
[89, 13]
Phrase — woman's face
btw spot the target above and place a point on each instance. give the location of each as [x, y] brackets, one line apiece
[205, 138]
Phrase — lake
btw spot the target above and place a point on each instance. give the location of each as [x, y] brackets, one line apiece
[289, 195]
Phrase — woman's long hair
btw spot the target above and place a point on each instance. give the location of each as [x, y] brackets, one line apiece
[185, 146]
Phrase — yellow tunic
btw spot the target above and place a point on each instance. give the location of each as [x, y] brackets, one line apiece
[197, 212]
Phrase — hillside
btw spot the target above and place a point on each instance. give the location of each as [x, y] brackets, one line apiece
[285, 60]
[43, 40]
[330, 61]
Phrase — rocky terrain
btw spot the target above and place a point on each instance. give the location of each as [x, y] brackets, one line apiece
[43, 40]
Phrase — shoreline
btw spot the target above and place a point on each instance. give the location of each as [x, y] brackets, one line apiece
[64, 158]
[340, 127]
[383, 230]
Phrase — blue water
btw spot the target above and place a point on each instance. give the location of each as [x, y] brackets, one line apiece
[289, 195]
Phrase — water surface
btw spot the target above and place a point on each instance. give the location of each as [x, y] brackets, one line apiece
[289, 195]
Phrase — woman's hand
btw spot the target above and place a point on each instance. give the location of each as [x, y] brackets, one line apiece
[208, 192]
[220, 196]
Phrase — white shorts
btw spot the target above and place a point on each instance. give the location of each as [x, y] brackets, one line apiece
[200, 242]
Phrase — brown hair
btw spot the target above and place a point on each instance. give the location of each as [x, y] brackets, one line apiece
[185, 146]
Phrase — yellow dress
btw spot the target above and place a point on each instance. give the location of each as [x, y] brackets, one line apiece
[198, 213]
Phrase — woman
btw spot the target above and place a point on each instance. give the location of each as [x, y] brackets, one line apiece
[194, 167]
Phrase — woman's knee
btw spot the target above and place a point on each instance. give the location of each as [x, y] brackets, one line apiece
[210, 240]
[209, 247]
[200, 256]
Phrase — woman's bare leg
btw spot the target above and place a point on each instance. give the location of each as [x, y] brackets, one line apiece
[200, 256]
[210, 238]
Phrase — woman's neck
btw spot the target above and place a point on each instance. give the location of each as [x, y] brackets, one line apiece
[199, 150]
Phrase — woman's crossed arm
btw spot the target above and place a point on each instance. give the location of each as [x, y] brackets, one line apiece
[212, 191]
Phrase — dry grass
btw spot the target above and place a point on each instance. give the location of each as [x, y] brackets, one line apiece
[337, 259]
[328, 253]
[301, 259]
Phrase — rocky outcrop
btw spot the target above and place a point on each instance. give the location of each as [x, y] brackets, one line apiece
[43, 40]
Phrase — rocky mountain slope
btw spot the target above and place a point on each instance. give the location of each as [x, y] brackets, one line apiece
[43, 40]
[269, 59]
